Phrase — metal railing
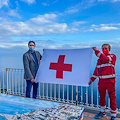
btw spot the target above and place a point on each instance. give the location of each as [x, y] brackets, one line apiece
[12, 82]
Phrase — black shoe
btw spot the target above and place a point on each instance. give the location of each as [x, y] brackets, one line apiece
[100, 115]
[112, 118]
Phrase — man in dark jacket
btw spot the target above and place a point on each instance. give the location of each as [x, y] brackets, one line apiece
[31, 62]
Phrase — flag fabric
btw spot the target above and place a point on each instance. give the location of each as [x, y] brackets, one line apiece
[68, 67]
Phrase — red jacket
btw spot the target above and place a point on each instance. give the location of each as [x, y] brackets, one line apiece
[105, 67]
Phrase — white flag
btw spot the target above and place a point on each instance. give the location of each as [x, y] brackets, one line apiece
[69, 67]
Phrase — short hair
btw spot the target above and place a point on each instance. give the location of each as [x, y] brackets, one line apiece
[31, 42]
[107, 45]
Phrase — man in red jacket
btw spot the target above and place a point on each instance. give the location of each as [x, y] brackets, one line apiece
[105, 71]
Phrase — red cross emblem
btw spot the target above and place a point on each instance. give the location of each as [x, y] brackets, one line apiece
[60, 66]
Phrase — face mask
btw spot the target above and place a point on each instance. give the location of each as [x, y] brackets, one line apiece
[105, 51]
[31, 48]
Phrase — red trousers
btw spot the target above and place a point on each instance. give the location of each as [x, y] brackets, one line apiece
[110, 86]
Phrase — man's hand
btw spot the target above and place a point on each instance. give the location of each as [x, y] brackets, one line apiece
[94, 48]
[32, 80]
[90, 82]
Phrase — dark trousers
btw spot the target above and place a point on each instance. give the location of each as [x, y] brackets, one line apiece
[28, 89]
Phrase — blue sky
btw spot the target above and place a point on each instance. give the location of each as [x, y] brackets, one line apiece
[58, 24]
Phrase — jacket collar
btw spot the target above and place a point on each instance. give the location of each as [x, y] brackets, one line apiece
[29, 52]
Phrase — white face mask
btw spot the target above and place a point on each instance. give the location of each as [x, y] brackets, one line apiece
[31, 48]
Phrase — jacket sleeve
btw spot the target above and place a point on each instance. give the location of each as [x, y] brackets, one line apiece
[94, 75]
[26, 67]
[40, 56]
[103, 57]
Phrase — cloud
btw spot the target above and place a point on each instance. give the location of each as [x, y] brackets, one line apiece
[71, 10]
[30, 28]
[78, 23]
[13, 13]
[41, 25]
[85, 4]
[75, 46]
[40, 46]
[47, 25]
[45, 4]
[107, 0]
[42, 19]
[29, 1]
[6, 14]
[49, 2]
[1, 18]
[111, 1]
[55, 1]
[12, 44]
[3, 3]
[22, 43]
[102, 0]
[116, 0]
[104, 27]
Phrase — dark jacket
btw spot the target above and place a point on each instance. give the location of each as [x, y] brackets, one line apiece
[29, 64]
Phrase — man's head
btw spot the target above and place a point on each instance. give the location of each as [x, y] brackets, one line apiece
[31, 45]
[106, 48]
